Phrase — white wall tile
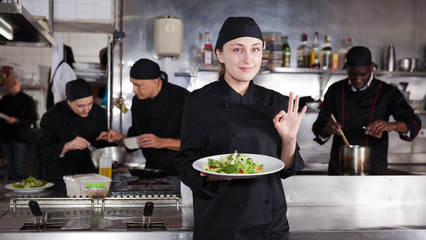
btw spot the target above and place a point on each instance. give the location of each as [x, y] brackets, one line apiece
[84, 10]
[71, 9]
[65, 10]
[102, 10]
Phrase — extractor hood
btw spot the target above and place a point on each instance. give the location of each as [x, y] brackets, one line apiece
[20, 28]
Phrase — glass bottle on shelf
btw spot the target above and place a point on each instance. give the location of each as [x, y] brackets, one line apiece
[342, 56]
[348, 46]
[207, 51]
[303, 53]
[327, 53]
[286, 53]
[315, 53]
[335, 61]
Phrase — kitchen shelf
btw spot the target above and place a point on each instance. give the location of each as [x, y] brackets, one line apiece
[324, 75]
[324, 72]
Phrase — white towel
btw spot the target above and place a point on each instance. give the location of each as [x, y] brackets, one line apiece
[63, 74]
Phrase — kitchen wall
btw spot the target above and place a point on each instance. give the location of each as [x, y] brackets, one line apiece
[32, 64]
[369, 23]
[372, 23]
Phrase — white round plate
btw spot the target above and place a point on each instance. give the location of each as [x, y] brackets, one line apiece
[29, 190]
[270, 165]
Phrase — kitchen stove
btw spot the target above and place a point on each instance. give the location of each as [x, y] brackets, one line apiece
[128, 185]
[124, 210]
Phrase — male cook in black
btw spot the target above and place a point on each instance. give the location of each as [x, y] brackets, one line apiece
[360, 101]
[156, 115]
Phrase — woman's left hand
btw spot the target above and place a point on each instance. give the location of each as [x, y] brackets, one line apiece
[287, 123]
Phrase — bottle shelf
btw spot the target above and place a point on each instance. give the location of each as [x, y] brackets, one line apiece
[342, 72]
[325, 72]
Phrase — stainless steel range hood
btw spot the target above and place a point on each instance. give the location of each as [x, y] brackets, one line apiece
[26, 30]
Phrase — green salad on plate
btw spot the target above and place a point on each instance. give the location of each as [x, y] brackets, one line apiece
[30, 182]
[234, 163]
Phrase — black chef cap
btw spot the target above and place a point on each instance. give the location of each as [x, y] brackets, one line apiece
[358, 56]
[236, 27]
[145, 69]
[77, 89]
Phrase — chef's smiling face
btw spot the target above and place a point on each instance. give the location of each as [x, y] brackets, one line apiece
[359, 76]
[81, 106]
[242, 58]
[145, 89]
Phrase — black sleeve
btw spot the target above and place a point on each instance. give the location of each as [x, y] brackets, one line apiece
[30, 115]
[48, 147]
[327, 108]
[297, 165]
[403, 112]
[192, 148]
[133, 129]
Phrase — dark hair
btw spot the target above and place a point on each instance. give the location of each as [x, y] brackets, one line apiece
[103, 58]
[222, 67]
[68, 55]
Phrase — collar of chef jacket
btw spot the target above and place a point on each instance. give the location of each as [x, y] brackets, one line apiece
[162, 93]
[232, 97]
[363, 88]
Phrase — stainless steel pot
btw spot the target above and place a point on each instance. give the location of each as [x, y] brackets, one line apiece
[117, 154]
[355, 160]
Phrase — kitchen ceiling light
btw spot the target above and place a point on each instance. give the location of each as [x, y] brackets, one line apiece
[6, 30]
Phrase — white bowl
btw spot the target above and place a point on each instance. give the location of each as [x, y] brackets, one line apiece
[131, 143]
[313, 105]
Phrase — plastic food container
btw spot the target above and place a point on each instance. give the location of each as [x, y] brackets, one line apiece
[275, 63]
[276, 55]
[264, 64]
[265, 54]
[87, 185]
[274, 46]
[271, 36]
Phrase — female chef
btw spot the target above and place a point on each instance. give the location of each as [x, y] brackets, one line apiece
[235, 114]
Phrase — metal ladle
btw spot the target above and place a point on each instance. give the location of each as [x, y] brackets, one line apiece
[90, 147]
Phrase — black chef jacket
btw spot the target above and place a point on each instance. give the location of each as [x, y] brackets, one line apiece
[357, 109]
[57, 127]
[22, 107]
[218, 120]
[160, 116]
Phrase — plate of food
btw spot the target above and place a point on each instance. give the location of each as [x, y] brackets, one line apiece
[239, 165]
[29, 185]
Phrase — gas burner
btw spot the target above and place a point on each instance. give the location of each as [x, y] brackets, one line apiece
[135, 186]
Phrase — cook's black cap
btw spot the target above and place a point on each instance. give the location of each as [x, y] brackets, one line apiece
[358, 56]
[145, 69]
[236, 27]
[77, 89]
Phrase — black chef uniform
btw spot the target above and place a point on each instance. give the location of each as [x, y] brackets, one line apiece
[22, 107]
[218, 120]
[60, 125]
[355, 109]
[160, 116]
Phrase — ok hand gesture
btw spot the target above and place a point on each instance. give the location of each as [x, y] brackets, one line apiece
[287, 123]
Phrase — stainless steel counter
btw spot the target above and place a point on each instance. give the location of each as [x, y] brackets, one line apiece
[410, 163]
[319, 207]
